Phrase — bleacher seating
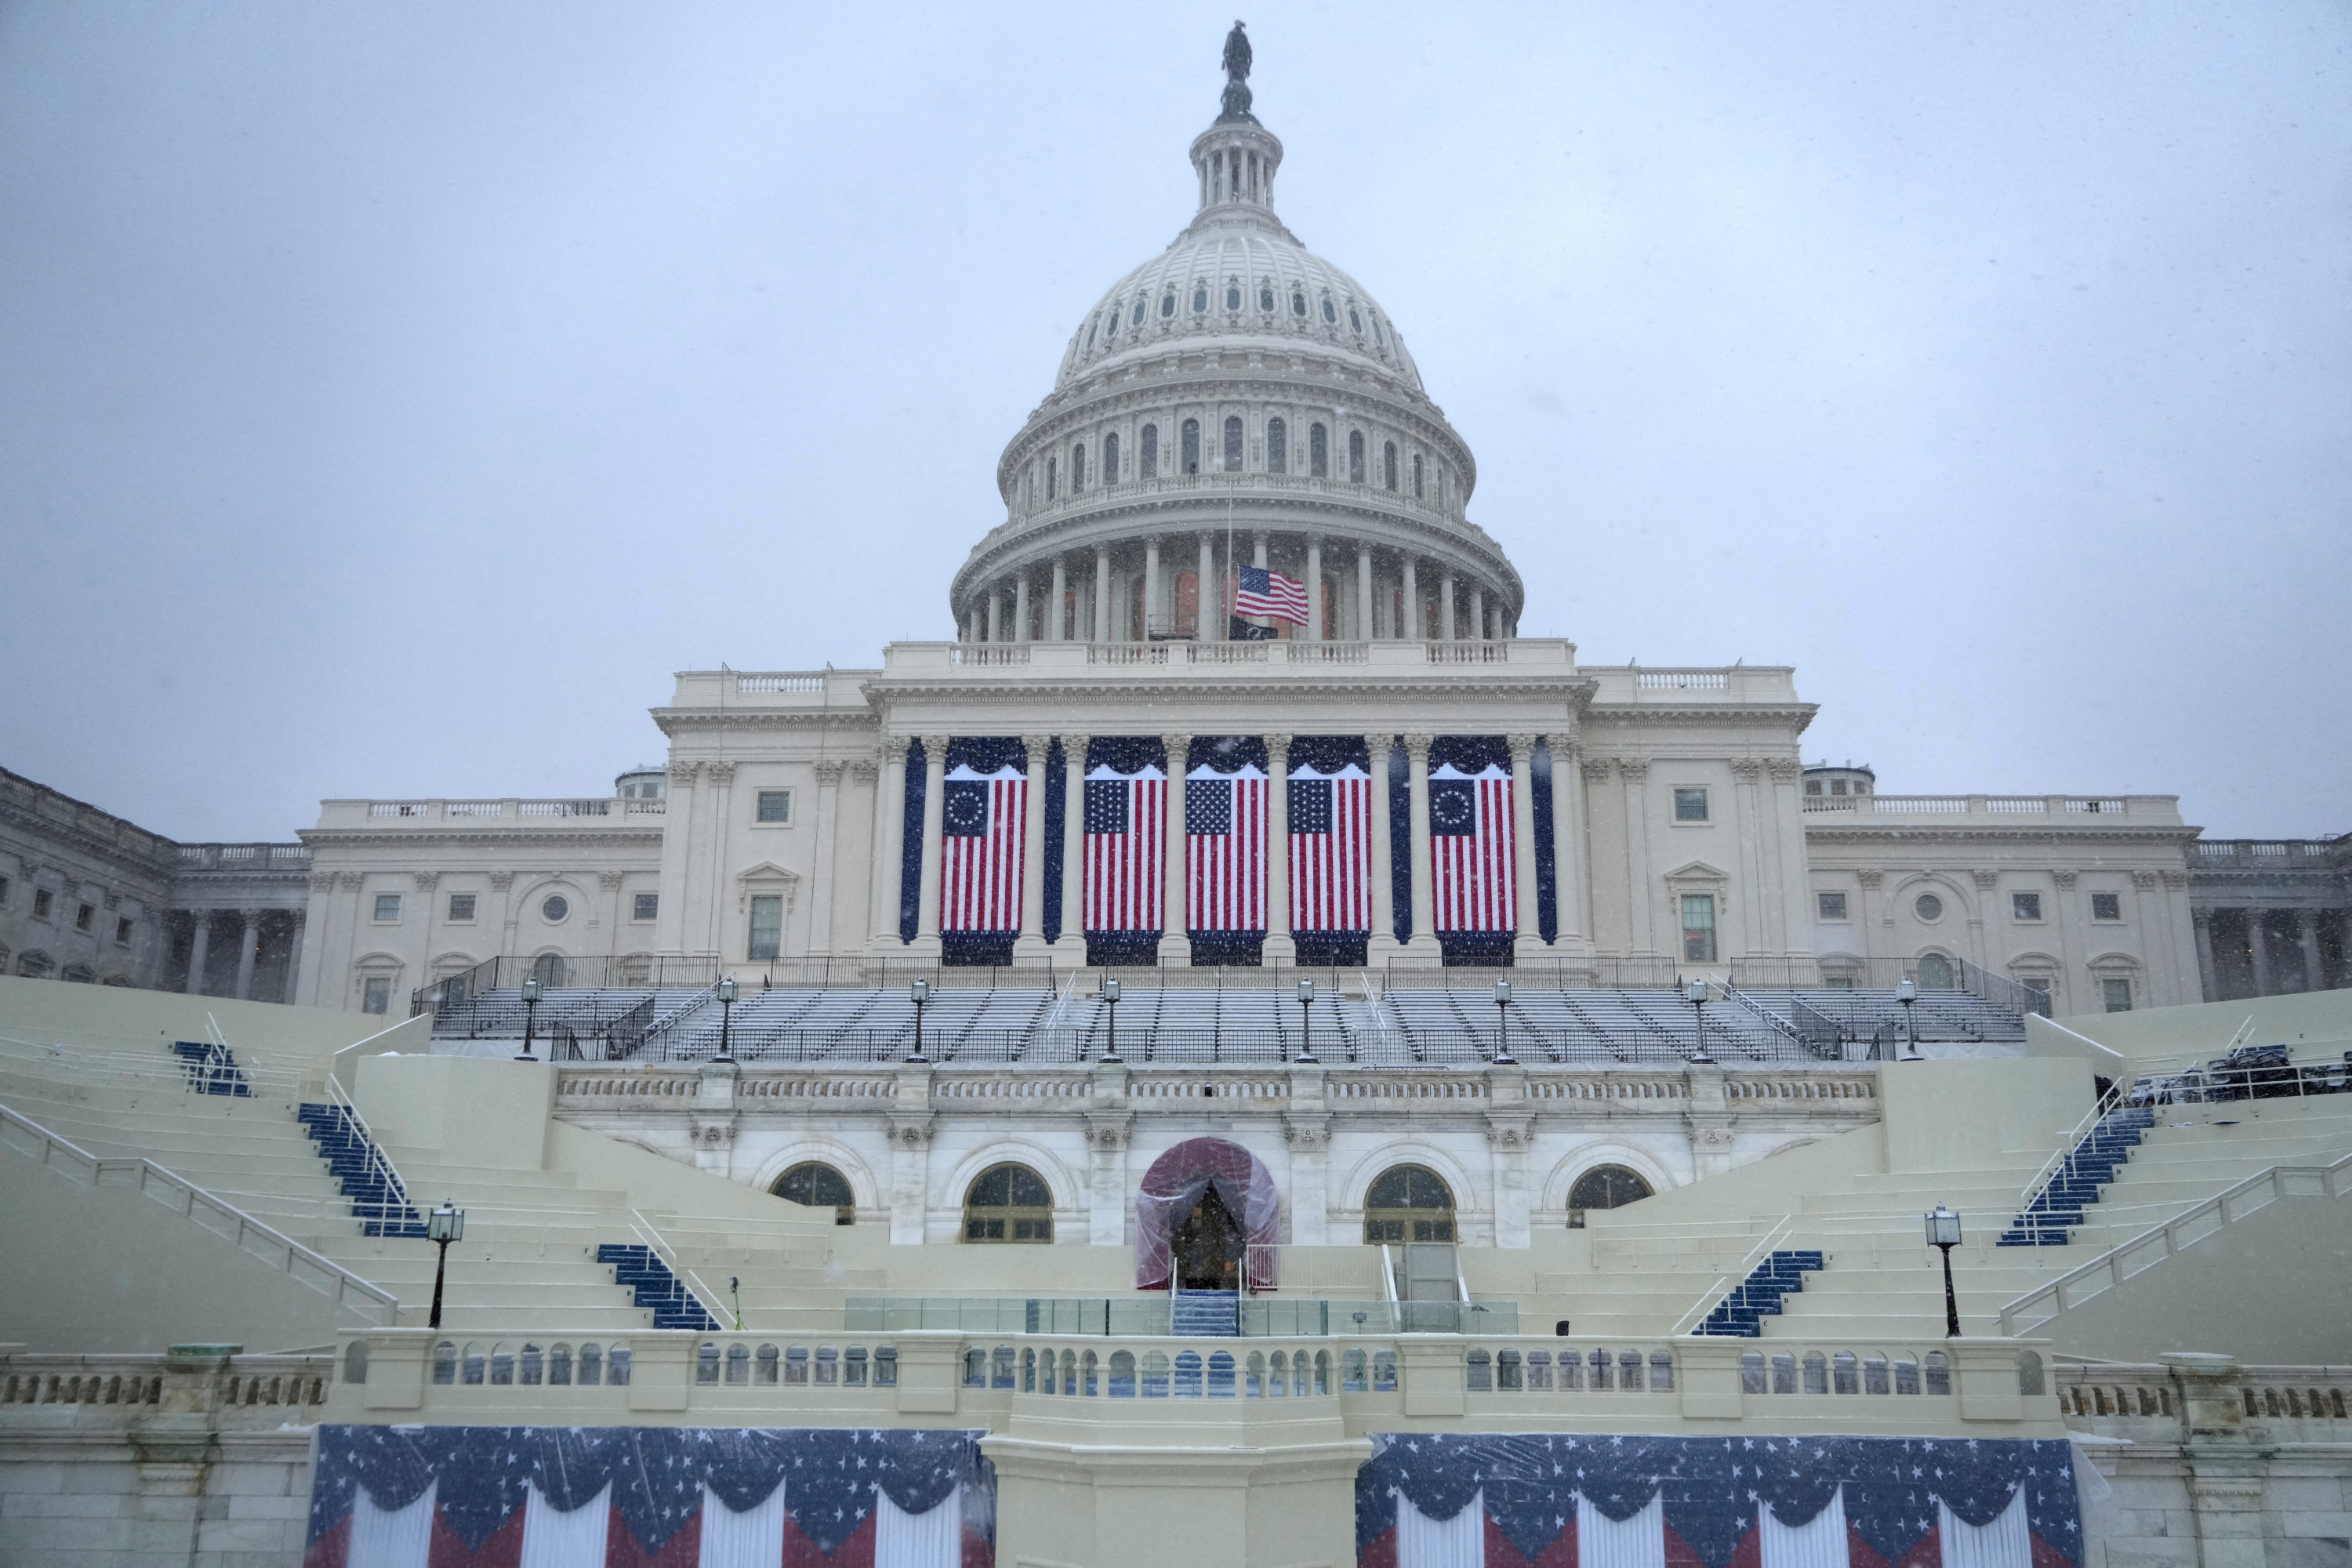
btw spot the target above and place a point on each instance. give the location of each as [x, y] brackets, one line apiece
[640, 1269]
[212, 1069]
[2049, 1218]
[1741, 1314]
[1874, 1014]
[378, 1203]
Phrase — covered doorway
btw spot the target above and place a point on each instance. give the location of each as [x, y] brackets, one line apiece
[1207, 1246]
[1207, 1218]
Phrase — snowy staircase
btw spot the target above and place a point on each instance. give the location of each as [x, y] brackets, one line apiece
[1206, 1314]
[2049, 1218]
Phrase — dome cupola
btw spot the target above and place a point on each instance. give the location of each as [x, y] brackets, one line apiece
[1235, 401]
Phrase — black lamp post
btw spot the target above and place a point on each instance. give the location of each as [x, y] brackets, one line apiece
[1110, 1000]
[1503, 1023]
[726, 1020]
[1944, 1231]
[919, 993]
[444, 1224]
[530, 989]
[1306, 1021]
[1907, 992]
[1695, 995]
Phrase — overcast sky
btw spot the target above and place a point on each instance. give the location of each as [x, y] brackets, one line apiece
[391, 397]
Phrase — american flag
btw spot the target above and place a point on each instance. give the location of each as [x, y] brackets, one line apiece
[1125, 848]
[1331, 849]
[1471, 849]
[981, 819]
[1270, 595]
[1224, 849]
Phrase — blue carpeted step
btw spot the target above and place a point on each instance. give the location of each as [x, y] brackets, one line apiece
[1206, 1314]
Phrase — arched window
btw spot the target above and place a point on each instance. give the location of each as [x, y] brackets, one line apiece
[1233, 294]
[1379, 336]
[1603, 1187]
[1416, 475]
[1936, 973]
[1009, 1202]
[1266, 298]
[1110, 460]
[1077, 466]
[1355, 321]
[1330, 312]
[1388, 463]
[1409, 1203]
[1053, 478]
[1168, 304]
[1136, 319]
[1319, 452]
[1232, 445]
[1355, 456]
[1299, 302]
[1277, 446]
[1090, 336]
[818, 1186]
[1192, 440]
[550, 971]
[1200, 299]
[1148, 455]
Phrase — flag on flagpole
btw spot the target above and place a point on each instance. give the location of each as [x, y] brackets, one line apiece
[982, 819]
[1270, 595]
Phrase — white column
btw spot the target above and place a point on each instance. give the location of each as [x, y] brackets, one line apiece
[1100, 631]
[1633, 781]
[296, 936]
[1257, 548]
[2203, 920]
[714, 905]
[1030, 945]
[1478, 613]
[1383, 943]
[1074, 844]
[1570, 878]
[995, 615]
[935, 767]
[1020, 607]
[1527, 939]
[1445, 628]
[1281, 945]
[1056, 628]
[889, 841]
[1150, 584]
[1363, 593]
[1207, 595]
[826, 850]
[1411, 631]
[1175, 943]
[249, 941]
[1424, 943]
[200, 943]
[1314, 588]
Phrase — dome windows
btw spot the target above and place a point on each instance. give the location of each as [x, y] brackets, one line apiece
[1077, 466]
[1277, 446]
[1168, 304]
[1388, 464]
[1299, 302]
[1233, 445]
[1355, 321]
[1355, 456]
[1090, 337]
[1192, 440]
[1266, 298]
[1148, 453]
[1379, 336]
[1330, 312]
[1053, 475]
[1110, 459]
[1319, 452]
[1200, 299]
[1233, 295]
[1416, 475]
[1138, 320]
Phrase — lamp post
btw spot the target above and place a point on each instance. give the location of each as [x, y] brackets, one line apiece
[530, 989]
[444, 1224]
[1110, 999]
[1906, 991]
[1503, 1023]
[1306, 1021]
[1695, 995]
[919, 992]
[726, 1020]
[1944, 1231]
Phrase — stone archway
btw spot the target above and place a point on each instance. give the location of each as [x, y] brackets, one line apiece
[1179, 1183]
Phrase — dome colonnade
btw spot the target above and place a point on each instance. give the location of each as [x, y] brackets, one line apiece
[1236, 401]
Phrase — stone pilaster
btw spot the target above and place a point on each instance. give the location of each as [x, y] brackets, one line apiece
[1281, 945]
[1423, 940]
[1030, 945]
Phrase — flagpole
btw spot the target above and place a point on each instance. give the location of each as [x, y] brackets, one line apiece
[1233, 577]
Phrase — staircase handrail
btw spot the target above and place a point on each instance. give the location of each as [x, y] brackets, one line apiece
[2067, 1144]
[378, 1161]
[650, 1233]
[127, 1066]
[1770, 1018]
[660, 1033]
[1062, 999]
[2333, 1181]
[1722, 1286]
[372, 1304]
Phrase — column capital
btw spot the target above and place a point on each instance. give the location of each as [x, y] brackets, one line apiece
[1636, 769]
[722, 773]
[1523, 748]
[1278, 746]
[502, 881]
[2201, 919]
[1597, 769]
[1784, 769]
[1748, 770]
[1871, 877]
[1034, 749]
[1986, 881]
[865, 770]
[2143, 880]
[1179, 748]
[828, 771]
[2063, 878]
[611, 881]
[2176, 880]
[685, 773]
[1417, 747]
[935, 748]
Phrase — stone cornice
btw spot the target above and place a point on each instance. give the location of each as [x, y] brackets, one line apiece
[671, 720]
[492, 837]
[1922, 829]
[33, 825]
[1569, 690]
[1800, 715]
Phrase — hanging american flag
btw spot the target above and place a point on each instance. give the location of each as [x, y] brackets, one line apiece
[982, 817]
[1126, 847]
[1270, 595]
[1472, 878]
[1330, 848]
[1224, 849]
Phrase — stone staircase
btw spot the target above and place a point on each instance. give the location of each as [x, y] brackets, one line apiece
[2049, 1218]
[1206, 1314]
[1741, 1314]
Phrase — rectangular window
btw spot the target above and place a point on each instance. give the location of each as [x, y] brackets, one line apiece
[767, 926]
[775, 805]
[42, 900]
[1833, 905]
[461, 905]
[85, 917]
[375, 994]
[1690, 806]
[2039, 986]
[2025, 906]
[387, 908]
[1698, 928]
[2107, 906]
[647, 906]
[2116, 993]
[122, 933]
[3, 892]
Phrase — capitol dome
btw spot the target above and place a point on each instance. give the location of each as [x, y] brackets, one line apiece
[1236, 401]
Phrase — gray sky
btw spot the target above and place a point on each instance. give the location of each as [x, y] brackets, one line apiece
[393, 396]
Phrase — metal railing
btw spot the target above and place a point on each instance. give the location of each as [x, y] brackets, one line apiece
[627, 972]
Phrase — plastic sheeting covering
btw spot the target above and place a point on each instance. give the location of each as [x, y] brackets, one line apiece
[1630, 1501]
[1174, 1187]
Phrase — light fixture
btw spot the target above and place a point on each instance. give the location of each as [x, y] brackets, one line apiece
[1503, 1024]
[1944, 1232]
[1110, 1000]
[444, 1224]
[919, 992]
[1695, 994]
[1306, 1021]
[530, 993]
[726, 1020]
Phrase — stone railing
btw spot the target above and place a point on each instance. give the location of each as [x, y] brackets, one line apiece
[1977, 1387]
[2149, 1403]
[2266, 855]
[1551, 656]
[2077, 811]
[217, 1381]
[437, 813]
[244, 856]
